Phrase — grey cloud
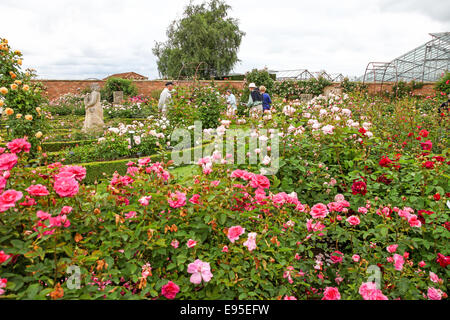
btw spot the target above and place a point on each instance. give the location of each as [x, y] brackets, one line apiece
[435, 9]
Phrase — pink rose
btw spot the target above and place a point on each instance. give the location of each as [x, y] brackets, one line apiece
[19, 145]
[191, 243]
[43, 215]
[414, 221]
[235, 232]
[170, 290]
[66, 210]
[434, 294]
[131, 215]
[144, 201]
[319, 211]
[422, 264]
[259, 181]
[392, 248]
[78, 171]
[398, 262]
[9, 198]
[66, 185]
[175, 244]
[225, 249]
[356, 258]
[251, 241]
[200, 271]
[37, 190]
[289, 298]
[331, 293]
[8, 161]
[434, 277]
[353, 220]
[337, 257]
[177, 200]
[362, 210]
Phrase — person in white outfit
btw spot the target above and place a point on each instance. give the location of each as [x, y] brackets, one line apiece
[165, 97]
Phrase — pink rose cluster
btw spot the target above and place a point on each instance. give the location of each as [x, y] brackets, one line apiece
[369, 291]
[59, 221]
[19, 145]
[158, 169]
[256, 181]
[407, 214]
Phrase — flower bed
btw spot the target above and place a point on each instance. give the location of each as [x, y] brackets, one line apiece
[226, 236]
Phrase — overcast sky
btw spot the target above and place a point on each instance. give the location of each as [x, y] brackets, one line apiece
[80, 39]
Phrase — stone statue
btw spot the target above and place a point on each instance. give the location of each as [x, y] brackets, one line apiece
[94, 111]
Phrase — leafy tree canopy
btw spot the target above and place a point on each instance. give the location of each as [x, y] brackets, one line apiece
[205, 38]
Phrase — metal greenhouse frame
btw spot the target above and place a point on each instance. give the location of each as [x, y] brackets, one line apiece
[423, 64]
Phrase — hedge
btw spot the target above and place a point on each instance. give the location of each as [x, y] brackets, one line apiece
[60, 145]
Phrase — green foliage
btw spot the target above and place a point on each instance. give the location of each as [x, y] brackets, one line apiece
[127, 86]
[20, 96]
[259, 78]
[402, 89]
[348, 86]
[204, 35]
[443, 85]
[290, 89]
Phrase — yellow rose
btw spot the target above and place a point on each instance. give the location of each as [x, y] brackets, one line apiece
[38, 134]
[1, 103]
[9, 111]
[26, 87]
[19, 62]
[38, 109]
[12, 74]
[17, 52]
[14, 86]
[18, 82]
[29, 117]
[18, 116]
[3, 90]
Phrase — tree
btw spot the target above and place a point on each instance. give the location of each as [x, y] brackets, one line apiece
[205, 38]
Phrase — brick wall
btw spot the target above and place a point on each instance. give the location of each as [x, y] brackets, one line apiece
[56, 88]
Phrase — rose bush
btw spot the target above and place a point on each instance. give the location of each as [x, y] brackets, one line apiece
[236, 239]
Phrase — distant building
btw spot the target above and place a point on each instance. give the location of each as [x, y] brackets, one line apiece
[127, 75]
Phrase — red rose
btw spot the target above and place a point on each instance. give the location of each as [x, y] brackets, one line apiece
[443, 261]
[424, 133]
[428, 165]
[385, 162]
[359, 187]
[437, 197]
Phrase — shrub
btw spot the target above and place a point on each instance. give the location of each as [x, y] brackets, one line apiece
[116, 84]
[19, 97]
[443, 85]
[260, 78]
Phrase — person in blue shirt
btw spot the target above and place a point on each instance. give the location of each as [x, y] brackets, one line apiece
[231, 100]
[267, 102]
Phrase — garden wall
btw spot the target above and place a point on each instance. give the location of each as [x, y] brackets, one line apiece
[56, 88]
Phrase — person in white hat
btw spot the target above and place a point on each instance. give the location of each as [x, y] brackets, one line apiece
[254, 99]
